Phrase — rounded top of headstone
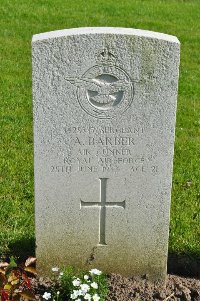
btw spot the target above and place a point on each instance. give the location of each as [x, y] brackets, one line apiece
[104, 30]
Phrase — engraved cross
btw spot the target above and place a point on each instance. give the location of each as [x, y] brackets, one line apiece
[102, 212]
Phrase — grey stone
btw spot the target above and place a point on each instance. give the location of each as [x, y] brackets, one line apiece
[104, 120]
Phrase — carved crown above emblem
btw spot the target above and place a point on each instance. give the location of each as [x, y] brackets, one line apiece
[106, 56]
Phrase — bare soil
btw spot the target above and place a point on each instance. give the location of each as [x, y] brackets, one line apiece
[138, 289]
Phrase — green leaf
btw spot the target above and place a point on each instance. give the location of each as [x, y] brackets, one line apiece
[12, 263]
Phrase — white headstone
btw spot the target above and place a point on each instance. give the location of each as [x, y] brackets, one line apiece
[104, 120]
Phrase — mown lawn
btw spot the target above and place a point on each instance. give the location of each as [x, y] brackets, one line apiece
[19, 20]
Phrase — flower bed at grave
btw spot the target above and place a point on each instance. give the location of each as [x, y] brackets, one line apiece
[20, 282]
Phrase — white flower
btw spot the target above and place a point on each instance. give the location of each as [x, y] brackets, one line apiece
[60, 275]
[86, 277]
[74, 295]
[81, 293]
[76, 282]
[46, 296]
[95, 272]
[85, 288]
[58, 293]
[55, 269]
[94, 285]
[96, 297]
[87, 297]
[78, 299]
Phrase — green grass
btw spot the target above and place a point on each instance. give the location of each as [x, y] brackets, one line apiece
[19, 20]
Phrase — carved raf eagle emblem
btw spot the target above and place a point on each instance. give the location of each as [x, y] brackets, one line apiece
[105, 89]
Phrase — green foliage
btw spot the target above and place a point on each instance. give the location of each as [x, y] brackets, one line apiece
[66, 282]
[70, 284]
[103, 286]
[68, 287]
[12, 263]
[19, 20]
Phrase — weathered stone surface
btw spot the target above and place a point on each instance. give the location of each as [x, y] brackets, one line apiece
[104, 119]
